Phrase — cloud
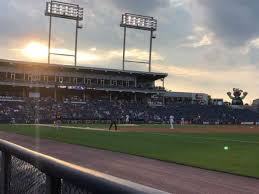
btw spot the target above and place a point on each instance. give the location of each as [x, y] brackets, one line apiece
[201, 37]
[177, 3]
[38, 52]
[253, 44]
[214, 82]
[134, 54]
[233, 21]
[93, 49]
[141, 6]
[206, 40]
[18, 18]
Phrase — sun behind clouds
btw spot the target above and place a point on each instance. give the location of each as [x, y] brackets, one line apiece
[35, 50]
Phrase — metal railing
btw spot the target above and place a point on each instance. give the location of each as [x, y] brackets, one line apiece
[24, 171]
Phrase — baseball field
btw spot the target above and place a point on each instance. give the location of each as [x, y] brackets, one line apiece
[232, 149]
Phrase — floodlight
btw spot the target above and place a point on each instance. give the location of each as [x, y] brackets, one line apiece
[138, 22]
[64, 10]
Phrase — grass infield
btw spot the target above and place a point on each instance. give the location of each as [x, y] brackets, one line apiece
[204, 150]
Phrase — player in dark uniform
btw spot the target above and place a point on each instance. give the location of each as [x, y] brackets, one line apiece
[114, 120]
[58, 119]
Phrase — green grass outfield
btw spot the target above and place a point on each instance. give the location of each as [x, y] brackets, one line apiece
[205, 150]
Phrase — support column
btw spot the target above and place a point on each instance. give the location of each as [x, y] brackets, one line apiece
[110, 96]
[124, 46]
[135, 97]
[50, 30]
[77, 26]
[150, 50]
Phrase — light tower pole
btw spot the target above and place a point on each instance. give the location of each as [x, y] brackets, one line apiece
[66, 11]
[138, 22]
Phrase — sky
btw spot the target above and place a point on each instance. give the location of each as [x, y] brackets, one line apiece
[208, 46]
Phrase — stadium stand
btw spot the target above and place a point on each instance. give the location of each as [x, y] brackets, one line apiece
[37, 92]
[44, 110]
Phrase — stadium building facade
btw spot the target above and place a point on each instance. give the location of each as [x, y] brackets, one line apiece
[29, 79]
[187, 98]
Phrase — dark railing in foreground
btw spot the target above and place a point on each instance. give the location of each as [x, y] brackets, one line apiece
[24, 171]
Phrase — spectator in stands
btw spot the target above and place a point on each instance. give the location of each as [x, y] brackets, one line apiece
[27, 110]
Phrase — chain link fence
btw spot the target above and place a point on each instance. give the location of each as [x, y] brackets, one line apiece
[25, 178]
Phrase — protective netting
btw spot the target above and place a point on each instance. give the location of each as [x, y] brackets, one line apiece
[26, 179]
[68, 188]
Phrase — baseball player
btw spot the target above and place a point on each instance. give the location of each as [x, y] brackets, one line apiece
[114, 120]
[127, 119]
[171, 120]
[182, 121]
[57, 120]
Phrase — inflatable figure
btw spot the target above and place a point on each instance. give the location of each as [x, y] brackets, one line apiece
[237, 99]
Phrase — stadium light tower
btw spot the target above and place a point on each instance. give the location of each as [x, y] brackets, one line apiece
[66, 11]
[139, 22]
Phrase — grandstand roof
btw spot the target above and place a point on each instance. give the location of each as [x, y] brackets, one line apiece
[149, 75]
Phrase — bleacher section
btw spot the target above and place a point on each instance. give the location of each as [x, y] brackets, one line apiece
[45, 109]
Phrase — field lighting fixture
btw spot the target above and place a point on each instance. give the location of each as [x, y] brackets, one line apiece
[66, 11]
[139, 22]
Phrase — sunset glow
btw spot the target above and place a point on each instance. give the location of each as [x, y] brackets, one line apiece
[39, 51]
[35, 50]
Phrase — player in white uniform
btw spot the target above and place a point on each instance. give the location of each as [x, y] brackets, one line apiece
[182, 121]
[171, 120]
[127, 119]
